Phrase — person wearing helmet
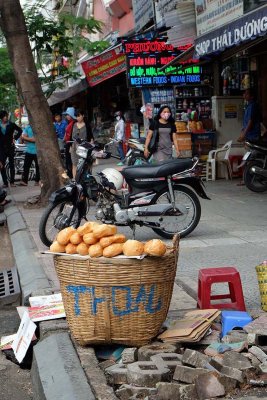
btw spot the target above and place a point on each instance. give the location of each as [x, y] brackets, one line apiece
[120, 134]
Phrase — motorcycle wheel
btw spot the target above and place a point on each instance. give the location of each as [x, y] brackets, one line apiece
[253, 182]
[138, 160]
[55, 218]
[188, 198]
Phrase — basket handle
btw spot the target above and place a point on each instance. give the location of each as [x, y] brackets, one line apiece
[175, 242]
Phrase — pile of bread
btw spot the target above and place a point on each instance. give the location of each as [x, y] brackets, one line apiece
[97, 240]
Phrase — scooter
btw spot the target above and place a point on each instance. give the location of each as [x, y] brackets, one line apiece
[255, 171]
[135, 152]
[159, 196]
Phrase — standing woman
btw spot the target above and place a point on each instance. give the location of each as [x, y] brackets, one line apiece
[71, 118]
[28, 137]
[120, 134]
[82, 130]
[165, 125]
[9, 133]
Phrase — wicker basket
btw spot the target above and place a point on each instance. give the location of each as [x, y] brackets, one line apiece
[111, 300]
[262, 280]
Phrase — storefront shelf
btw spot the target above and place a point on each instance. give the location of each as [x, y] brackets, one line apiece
[192, 97]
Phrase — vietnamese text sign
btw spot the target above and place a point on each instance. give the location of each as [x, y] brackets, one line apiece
[145, 59]
[245, 28]
[104, 66]
[211, 14]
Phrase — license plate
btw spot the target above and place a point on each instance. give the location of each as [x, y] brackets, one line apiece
[246, 156]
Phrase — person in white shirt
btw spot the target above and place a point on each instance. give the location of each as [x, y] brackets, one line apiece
[119, 135]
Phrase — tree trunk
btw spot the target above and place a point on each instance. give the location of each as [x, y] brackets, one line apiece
[13, 25]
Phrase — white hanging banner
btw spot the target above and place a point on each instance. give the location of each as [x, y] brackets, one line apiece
[211, 14]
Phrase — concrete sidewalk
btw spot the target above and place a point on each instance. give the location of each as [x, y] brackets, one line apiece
[57, 373]
[232, 231]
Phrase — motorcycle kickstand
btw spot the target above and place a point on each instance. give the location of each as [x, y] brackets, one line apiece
[133, 228]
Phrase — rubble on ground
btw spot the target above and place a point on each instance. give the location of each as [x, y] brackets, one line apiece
[213, 367]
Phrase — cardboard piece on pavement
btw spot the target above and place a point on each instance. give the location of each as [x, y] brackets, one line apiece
[23, 337]
[192, 327]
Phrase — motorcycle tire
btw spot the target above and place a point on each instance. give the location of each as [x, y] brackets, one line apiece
[253, 182]
[193, 203]
[137, 160]
[47, 236]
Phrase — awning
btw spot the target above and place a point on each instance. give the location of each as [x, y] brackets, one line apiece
[60, 95]
[243, 29]
[104, 66]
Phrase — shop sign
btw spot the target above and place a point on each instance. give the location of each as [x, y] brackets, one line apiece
[104, 66]
[246, 28]
[211, 14]
[145, 59]
[143, 11]
[230, 111]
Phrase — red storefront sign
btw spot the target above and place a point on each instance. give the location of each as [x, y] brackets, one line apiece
[104, 66]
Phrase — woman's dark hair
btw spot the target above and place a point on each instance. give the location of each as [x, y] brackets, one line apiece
[90, 136]
[3, 113]
[157, 117]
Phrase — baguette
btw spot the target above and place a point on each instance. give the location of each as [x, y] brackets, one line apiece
[133, 248]
[113, 250]
[107, 241]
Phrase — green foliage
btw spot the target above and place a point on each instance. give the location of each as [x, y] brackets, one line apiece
[54, 37]
[6, 70]
[8, 93]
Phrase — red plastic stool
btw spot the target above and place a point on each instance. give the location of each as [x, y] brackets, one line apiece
[208, 276]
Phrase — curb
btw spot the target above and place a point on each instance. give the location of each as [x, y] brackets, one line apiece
[56, 371]
[31, 273]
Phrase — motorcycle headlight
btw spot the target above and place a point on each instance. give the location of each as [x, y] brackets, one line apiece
[81, 151]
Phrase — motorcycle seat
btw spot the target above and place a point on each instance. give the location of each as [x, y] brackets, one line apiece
[260, 147]
[162, 169]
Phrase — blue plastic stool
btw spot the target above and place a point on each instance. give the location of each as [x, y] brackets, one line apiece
[234, 319]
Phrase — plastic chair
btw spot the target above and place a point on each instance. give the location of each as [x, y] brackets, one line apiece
[220, 155]
[234, 319]
[209, 276]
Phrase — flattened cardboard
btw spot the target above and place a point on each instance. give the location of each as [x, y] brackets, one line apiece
[191, 328]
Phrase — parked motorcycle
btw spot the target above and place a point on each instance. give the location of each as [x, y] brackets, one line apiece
[135, 152]
[159, 196]
[19, 163]
[255, 171]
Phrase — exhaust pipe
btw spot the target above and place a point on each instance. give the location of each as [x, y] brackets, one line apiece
[259, 171]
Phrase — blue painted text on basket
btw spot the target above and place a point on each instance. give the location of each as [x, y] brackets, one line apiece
[131, 304]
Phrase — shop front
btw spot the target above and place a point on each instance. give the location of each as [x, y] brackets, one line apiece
[239, 49]
[186, 88]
